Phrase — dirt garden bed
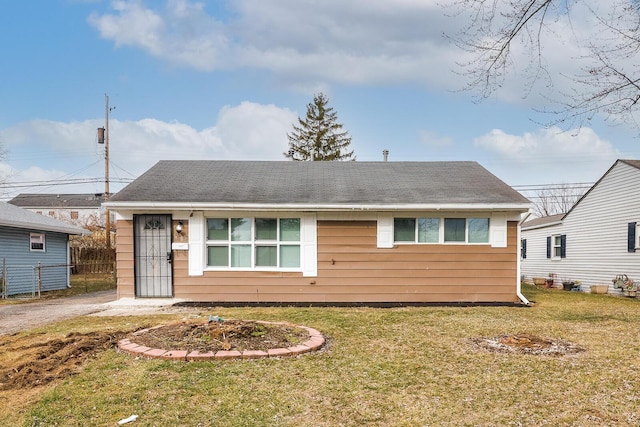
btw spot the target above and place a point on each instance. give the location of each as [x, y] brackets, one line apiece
[227, 339]
[526, 344]
[39, 362]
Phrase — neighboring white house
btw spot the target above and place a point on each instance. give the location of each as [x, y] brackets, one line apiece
[77, 209]
[596, 240]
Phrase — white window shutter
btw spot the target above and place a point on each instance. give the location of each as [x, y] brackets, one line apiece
[309, 245]
[385, 231]
[498, 228]
[196, 244]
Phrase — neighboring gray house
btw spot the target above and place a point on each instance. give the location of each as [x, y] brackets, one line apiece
[76, 209]
[596, 240]
[28, 240]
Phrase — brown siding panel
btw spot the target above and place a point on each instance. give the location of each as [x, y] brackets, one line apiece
[352, 269]
[124, 259]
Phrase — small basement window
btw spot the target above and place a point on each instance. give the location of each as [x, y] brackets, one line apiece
[36, 242]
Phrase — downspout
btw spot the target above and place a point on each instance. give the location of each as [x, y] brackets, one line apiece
[524, 300]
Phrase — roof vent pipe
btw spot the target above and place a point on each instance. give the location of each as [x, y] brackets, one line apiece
[385, 155]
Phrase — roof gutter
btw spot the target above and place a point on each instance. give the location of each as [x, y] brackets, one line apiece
[164, 206]
[547, 224]
[44, 227]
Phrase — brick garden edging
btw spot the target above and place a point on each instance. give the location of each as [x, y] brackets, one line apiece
[315, 342]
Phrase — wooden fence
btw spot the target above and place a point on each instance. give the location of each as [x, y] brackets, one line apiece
[92, 260]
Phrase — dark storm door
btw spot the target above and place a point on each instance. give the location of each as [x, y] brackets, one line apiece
[152, 251]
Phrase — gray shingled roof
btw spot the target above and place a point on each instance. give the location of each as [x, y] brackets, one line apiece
[318, 183]
[542, 222]
[35, 200]
[13, 216]
[634, 163]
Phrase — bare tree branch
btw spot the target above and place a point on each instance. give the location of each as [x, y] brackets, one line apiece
[556, 199]
[609, 82]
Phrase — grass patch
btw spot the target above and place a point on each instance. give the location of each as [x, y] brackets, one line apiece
[84, 283]
[383, 367]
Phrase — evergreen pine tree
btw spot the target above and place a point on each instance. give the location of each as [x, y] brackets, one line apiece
[319, 136]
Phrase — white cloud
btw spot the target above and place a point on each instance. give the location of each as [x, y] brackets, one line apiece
[549, 155]
[304, 43]
[311, 43]
[246, 131]
[181, 33]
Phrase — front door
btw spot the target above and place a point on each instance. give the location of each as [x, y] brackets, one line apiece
[152, 252]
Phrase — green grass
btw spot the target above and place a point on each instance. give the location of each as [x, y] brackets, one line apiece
[383, 367]
[84, 283]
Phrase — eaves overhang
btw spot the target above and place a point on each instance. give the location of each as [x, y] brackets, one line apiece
[535, 227]
[303, 207]
[76, 231]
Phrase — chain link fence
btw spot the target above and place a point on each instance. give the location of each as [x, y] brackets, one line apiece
[30, 281]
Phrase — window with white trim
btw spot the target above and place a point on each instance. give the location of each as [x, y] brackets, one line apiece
[441, 230]
[253, 243]
[556, 242]
[36, 242]
[557, 246]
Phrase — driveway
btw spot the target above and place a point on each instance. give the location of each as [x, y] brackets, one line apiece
[16, 317]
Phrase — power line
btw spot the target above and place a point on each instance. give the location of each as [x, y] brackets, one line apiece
[569, 185]
[77, 181]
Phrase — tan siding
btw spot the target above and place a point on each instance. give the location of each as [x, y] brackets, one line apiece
[352, 269]
[124, 259]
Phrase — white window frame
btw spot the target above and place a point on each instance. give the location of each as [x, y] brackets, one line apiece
[253, 243]
[37, 238]
[555, 237]
[637, 235]
[441, 221]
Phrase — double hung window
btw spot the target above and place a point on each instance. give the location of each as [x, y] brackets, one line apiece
[557, 246]
[253, 243]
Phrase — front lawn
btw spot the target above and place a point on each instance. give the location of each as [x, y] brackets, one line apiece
[413, 366]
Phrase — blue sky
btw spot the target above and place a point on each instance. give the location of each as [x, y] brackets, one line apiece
[227, 79]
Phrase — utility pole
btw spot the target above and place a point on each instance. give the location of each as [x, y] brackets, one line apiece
[103, 138]
[107, 215]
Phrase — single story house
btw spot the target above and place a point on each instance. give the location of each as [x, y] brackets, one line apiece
[319, 232]
[79, 209]
[27, 241]
[596, 240]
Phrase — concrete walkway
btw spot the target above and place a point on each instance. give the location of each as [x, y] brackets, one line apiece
[17, 317]
[136, 306]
